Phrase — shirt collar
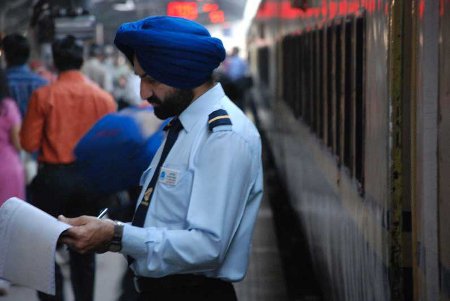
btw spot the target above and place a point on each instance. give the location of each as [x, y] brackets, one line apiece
[201, 106]
[71, 75]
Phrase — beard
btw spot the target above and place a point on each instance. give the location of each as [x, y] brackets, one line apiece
[173, 104]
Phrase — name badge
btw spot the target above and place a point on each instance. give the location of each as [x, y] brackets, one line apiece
[169, 176]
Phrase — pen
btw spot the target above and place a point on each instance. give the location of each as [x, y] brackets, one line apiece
[102, 213]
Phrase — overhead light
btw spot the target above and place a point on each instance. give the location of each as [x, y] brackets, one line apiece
[127, 6]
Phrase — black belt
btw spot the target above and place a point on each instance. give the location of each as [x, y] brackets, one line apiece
[54, 166]
[144, 284]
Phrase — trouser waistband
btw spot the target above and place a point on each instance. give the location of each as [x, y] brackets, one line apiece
[143, 284]
[54, 165]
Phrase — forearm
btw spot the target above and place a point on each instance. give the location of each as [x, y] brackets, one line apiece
[15, 138]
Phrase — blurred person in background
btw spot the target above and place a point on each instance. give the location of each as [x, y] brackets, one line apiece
[39, 68]
[126, 92]
[126, 84]
[235, 66]
[12, 178]
[22, 82]
[58, 116]
[95, 69]
[236, 69]
[109, 58]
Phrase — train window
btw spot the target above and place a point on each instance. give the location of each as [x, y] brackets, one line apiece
[323, 85]
[359, 101]
[329, 87]
[299, 76]
[261, 31]
[306, 79]
[315, 82]
[311, 68]
[263, 66]
[285, 81]
[289, 57]
[323, 82]
[303, 79]
[285, 65]
[338, 90]
[319, 81]
[292, 63]
[348, 108]
[283, 69]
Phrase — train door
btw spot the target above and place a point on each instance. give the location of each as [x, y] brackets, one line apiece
[401, 162]
[430, 147]
[444, 149]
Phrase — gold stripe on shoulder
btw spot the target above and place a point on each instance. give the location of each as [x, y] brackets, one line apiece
[219, 117]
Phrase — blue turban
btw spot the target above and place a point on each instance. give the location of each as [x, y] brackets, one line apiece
[174, 51]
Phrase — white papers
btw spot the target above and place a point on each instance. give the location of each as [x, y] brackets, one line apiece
[28, 238]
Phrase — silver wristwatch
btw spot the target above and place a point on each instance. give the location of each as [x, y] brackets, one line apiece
[116, 243]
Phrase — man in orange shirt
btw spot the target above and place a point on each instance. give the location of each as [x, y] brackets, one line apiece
[58, 116]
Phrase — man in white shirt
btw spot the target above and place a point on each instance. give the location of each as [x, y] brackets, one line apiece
[96, 70]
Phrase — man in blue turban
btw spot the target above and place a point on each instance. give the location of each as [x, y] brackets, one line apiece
[190, 235]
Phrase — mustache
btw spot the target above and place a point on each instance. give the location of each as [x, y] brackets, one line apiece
[154, 99]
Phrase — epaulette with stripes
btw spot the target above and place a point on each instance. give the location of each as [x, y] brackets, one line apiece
[218, 118]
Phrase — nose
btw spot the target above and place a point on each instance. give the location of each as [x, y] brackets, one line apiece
[146, 90]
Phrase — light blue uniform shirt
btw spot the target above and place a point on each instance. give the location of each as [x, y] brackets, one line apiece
[203, 210]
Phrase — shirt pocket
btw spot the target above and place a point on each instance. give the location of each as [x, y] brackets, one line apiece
[173, 193]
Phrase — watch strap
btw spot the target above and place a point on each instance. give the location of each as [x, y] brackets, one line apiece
[116, 243]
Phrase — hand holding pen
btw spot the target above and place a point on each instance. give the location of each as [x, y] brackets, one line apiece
[88, 233]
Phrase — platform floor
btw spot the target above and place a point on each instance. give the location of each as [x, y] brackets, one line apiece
[265, 279]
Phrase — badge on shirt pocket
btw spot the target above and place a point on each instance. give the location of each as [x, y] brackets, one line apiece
[169, 176]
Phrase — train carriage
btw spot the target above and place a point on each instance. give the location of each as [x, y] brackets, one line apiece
[353, 97]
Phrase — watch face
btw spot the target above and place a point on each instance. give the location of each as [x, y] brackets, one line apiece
[114, 247]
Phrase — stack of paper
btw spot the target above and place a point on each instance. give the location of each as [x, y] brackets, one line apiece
[28, 238]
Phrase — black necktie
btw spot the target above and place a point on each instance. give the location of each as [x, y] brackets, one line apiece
[139, 216]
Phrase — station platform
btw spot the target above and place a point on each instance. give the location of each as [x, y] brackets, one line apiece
[265, 279]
